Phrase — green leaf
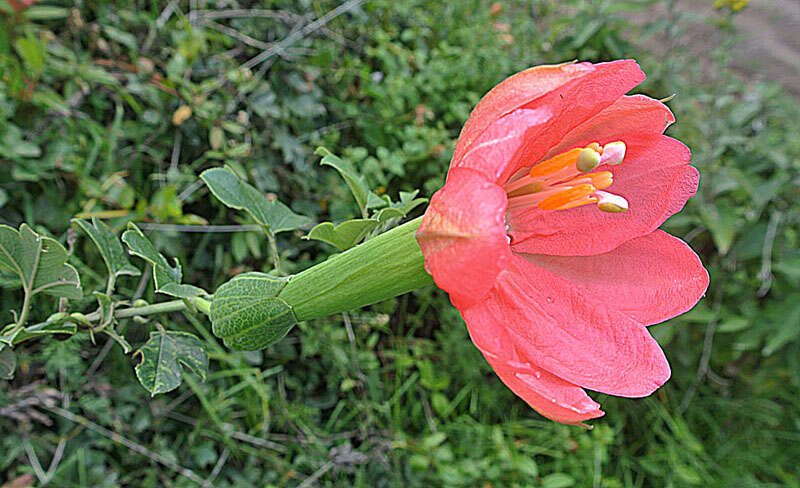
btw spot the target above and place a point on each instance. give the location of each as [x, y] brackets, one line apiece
[235, 193]
[357, 183]
[558, 480]
[162, 356]
[406, 204]
[167, 277]
[32, 52]
[39, 262]
[409, 202]
[178, 290]
[248, 315]
[388, 213]
[109, 246]
[61, 326]
[722, 221]
[46, 12]
[8, 363]
[345, 235]
[106, 308]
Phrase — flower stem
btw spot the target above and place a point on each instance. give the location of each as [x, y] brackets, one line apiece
[383, 267]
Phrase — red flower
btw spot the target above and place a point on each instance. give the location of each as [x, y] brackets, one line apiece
[545, 235]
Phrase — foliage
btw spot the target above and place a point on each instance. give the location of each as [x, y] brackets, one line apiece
[111, 112]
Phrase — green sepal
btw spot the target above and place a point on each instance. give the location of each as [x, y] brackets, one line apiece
[344, 235]
[248, 315]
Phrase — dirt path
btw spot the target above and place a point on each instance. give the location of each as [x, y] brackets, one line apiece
[769, 30]
[770, 49]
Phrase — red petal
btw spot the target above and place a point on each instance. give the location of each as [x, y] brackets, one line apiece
[549, 395]
[633, 114]
[656, 180]
[512, 93]
[651, 278]
[463, 236]
[570, 334]
[505, 146]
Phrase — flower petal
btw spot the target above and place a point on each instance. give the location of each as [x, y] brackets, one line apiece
[570, 334]
[549, 395]
[651, 278]
[523, 136]
[463, 236]
[628, 115]
[655, 178]
[512, 93]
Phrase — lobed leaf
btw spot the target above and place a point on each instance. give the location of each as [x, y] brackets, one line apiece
[167, 277]
[163, 357]
[39, 262]
[109, 246]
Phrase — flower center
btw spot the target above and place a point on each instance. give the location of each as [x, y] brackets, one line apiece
[567, 180]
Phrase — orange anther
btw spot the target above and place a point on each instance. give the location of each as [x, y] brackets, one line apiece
[557, 162]
[567, 196]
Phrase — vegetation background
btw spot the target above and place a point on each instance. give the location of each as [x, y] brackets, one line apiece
[112, 109]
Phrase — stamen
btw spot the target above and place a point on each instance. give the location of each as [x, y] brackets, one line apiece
[608, 202]
[578, 203]
[557, 162]
[588, 159]
[524, 186]
[565, 197]
[566, 180]
[602, 180]
[613, 153]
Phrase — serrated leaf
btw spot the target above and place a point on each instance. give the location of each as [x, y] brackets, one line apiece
[8, 363]
[39, 262]
[248, 315]
[235, 193]
[357, 183]
[110, 248]
[163, 356]
[345, 235]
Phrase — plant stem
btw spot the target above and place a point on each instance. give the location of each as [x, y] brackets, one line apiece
[164, 307]
[273, 248]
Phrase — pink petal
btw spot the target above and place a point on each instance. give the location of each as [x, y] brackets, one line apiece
[635, 114]
[549, 395]
[512, 93]
[651, 278]
[570, 334]
[463, 236]
[530, 131]
[656, 180]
